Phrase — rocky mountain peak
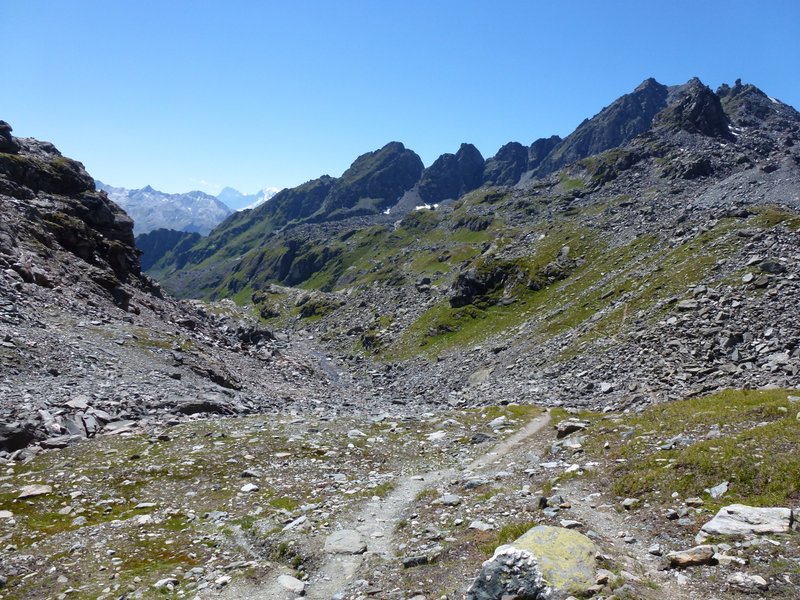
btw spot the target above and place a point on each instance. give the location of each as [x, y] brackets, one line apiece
[539, 150]
[616, 124]
[695, 109]
[152, 209]
[507, 166]
[452, 175]
[648, 85]
[748, 106]
[379, 177]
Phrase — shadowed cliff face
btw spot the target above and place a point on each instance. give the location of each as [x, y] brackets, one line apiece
[452, 175]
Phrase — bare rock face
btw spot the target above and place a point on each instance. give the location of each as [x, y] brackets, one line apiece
[507, 166]
[696, 110]
[51, 199]
[452, 175]
[616, 124]
[381, 177]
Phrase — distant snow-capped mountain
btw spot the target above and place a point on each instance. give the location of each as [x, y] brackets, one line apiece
[150, 209]
[236, 200]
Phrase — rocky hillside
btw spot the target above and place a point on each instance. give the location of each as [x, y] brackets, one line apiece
[150, 209]
[89, 344]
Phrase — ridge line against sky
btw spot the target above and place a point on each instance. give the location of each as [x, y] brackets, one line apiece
[201, 94]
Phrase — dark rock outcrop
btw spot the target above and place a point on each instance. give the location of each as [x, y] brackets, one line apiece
[50, 202]
[539, 150]
[506, 167]
[374, 182]
[747, 106]
[695, 109]
[452, 175]
[7, 142]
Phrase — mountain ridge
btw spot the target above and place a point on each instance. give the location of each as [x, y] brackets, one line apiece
[652, 109]
[151, 209]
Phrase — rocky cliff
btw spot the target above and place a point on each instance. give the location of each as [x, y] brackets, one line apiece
[51, 208]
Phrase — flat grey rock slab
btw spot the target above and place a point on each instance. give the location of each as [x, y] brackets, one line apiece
[742, 520]
[345, 541]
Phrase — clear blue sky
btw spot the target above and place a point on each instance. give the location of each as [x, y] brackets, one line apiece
[196, 94]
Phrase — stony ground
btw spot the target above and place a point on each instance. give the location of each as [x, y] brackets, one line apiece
[225, 507]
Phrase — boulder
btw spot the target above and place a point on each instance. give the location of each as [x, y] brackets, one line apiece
[742, 521]
[749, 584]
[546, 562]
[292, 584]
[16, 436]
[448, 500]
[30, 491]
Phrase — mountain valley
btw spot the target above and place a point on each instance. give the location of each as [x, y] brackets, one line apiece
[366, 385]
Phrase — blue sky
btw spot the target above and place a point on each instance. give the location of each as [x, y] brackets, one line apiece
[197, 94]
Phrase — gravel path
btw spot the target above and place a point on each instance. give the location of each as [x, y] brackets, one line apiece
[377, 520]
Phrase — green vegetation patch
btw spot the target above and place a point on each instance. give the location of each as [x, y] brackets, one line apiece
[748, 438]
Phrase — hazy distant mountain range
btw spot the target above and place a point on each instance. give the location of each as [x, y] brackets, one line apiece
[195, 212]
[239, 201]
[151, 209]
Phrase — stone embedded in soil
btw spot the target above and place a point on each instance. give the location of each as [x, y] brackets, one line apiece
[748, 583]
[741, 520]
[718, 491]
[414, 561]
[564, 428]
[481, 526]
[699, 555]
[447, 500]
[29, 491]
[345, 541]
[166, 583]
[630, 503]
[292, 584]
